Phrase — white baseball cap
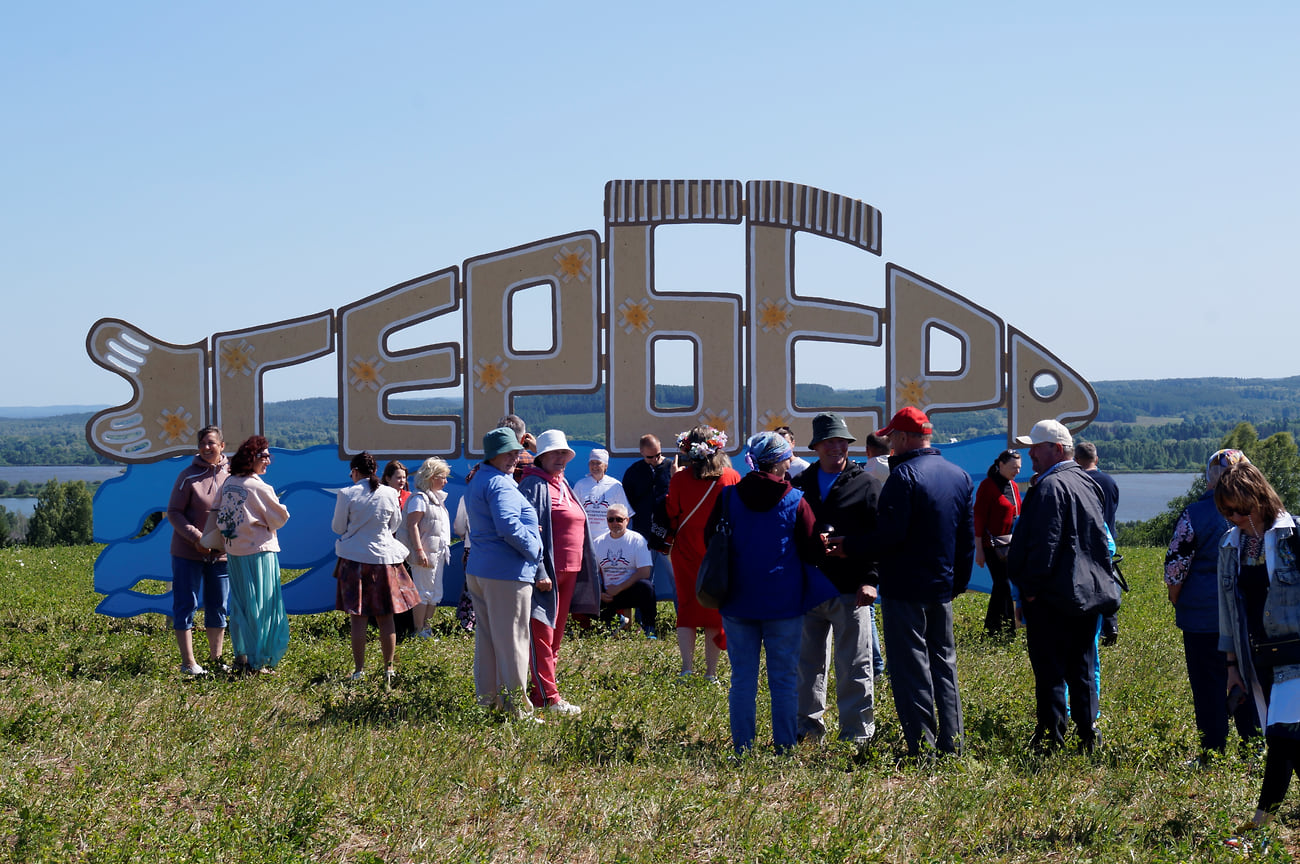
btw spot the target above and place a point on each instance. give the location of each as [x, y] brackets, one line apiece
[1047, 432]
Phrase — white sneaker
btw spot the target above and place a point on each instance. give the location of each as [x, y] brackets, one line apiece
[194, 671]
[426, 633]
[357, 676]
[566, 708]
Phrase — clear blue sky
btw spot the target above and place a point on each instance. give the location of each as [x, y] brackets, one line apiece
[1119, 184]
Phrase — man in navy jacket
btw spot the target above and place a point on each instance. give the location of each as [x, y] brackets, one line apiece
[925, 542]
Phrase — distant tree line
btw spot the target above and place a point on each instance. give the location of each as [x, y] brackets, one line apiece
[21, 489]
[47, 441]
[1166, 425]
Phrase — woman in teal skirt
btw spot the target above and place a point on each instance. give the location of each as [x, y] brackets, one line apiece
[249, 513]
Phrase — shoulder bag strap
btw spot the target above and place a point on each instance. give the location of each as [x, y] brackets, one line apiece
[704, 498]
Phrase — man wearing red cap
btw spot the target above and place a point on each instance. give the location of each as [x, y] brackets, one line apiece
[925, 540]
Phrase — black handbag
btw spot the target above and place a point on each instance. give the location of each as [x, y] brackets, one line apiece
[713, 584]
[1267, 653]
[1284, 650]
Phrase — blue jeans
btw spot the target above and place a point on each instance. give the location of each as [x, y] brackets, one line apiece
[745, 638]
[877, 659]
[665, 587]
[191, 578]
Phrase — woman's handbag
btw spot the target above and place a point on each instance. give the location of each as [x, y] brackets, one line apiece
[1001, 545]
[713, 584]
[1267, 653]
[212, 536]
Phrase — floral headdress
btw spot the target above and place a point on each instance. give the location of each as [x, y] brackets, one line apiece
[714, 440]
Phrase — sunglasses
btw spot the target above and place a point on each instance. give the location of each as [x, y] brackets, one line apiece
[617, 519]
[1230, 512]
[264, 455]
[652, 456]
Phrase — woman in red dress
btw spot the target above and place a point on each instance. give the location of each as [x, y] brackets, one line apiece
[690, 501]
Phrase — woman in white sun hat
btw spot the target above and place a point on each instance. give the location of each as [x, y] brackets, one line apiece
[567, 579]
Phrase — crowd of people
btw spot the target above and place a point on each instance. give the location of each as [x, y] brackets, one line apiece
[814, 547]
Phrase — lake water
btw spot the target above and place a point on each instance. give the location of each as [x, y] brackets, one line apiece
[42, 474]
[1142, 496]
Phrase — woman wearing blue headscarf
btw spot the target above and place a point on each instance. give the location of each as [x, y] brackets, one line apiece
[774, 539]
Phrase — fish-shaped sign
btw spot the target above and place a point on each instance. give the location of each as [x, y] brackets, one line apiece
[608, 318]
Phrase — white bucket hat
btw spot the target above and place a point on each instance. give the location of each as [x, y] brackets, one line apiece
[552, 439]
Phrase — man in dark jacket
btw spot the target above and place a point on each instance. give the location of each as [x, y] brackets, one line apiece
[843, 497]
[925, 541]
[1060, 563]
[646, 485]
[1085, 453]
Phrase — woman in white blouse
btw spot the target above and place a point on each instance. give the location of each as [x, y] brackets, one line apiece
[370, 576]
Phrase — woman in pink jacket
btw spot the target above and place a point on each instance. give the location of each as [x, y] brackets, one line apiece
[249, 513]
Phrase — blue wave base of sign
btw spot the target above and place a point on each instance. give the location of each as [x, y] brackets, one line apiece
[306, 481]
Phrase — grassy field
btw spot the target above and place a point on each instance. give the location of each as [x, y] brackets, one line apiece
[108, 755]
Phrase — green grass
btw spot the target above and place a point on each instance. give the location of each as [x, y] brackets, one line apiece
[107, 755]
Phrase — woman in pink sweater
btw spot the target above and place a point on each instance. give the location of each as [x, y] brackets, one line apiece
[249, 513]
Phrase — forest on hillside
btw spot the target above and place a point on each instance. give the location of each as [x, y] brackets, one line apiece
[1165, 425]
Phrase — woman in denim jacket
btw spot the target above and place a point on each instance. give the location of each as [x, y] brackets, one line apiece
[1259, 597]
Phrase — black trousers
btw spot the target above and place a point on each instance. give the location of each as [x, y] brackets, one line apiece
[1062, 652]
[639, 595]
[1001, 616]
[1283, 758]
[1207, 673]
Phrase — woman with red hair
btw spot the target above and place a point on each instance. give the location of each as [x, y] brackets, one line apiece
[249, 514]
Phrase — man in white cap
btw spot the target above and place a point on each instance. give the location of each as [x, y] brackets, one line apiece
[598, 490]
[1059, 561]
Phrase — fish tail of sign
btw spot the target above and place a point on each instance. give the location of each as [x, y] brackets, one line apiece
[170, 393]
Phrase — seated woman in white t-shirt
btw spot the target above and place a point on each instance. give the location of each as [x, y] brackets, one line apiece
[625, 571]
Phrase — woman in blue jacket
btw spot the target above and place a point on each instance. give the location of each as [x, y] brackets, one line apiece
[500, 573]
[773, 538]
[1192, 578]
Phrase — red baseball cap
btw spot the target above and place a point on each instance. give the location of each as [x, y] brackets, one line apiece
[909, 419]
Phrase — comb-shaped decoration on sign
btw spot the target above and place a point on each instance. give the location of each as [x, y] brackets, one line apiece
[780, 317]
